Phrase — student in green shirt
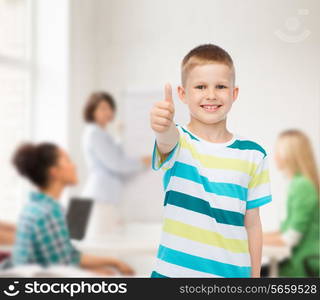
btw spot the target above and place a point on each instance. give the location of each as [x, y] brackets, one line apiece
[300, 229]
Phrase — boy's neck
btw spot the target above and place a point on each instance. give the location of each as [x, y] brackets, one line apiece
[216, 133]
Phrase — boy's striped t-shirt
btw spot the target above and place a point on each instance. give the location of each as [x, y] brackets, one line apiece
[208, 188]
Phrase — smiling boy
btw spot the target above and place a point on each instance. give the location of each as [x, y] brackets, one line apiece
[214, 180]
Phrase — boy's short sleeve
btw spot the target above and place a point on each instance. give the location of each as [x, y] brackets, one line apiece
[157, 160]
[259, 191]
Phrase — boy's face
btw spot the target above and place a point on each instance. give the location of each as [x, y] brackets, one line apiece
[209, 92]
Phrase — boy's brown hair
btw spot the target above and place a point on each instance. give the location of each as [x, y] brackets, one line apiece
[202, 55]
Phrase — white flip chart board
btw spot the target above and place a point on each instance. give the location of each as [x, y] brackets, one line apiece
[143, 195]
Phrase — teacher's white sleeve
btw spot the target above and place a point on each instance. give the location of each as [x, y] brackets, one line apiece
[113, 158]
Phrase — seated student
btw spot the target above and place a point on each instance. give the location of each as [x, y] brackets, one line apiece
[7, 233]
[300, 229]
[42, 234]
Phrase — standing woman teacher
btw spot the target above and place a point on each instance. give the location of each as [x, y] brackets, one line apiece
[108, 165]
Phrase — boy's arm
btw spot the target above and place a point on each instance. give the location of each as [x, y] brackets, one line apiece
[254, 231]
[167, 135]
[166, 141]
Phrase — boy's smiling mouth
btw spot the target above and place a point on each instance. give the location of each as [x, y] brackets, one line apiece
[210, 107]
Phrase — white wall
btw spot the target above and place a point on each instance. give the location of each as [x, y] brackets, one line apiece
[123, 44]
[50, 56]
[83, 75]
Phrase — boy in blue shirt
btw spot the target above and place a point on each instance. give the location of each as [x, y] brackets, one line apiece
[214, 180]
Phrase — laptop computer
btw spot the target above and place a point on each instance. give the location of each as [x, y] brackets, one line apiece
[78, 216]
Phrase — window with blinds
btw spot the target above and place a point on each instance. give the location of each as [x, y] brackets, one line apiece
[15, 91]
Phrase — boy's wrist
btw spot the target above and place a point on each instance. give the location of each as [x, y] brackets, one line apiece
[168, 139]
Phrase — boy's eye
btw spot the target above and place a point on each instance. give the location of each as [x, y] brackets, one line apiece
[200, 87]
[221, 86]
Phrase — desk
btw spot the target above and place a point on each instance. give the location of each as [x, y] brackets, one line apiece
[135, 243]
[133, 237]
[36, 271]
[275, 254]
[6, 248]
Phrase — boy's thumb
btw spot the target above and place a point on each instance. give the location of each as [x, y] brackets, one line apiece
[168, 93]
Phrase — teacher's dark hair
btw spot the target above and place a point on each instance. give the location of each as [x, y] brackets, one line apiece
[33, 161]
[93, 101]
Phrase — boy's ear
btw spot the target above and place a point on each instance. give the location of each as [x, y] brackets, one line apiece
[235, 93]
[182, 93]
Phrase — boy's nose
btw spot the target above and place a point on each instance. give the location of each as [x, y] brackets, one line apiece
[211, 94]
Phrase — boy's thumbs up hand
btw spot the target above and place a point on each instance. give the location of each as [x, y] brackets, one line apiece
[162, 112]
[168, 93]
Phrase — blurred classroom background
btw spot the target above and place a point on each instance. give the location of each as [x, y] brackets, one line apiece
[53, 54]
